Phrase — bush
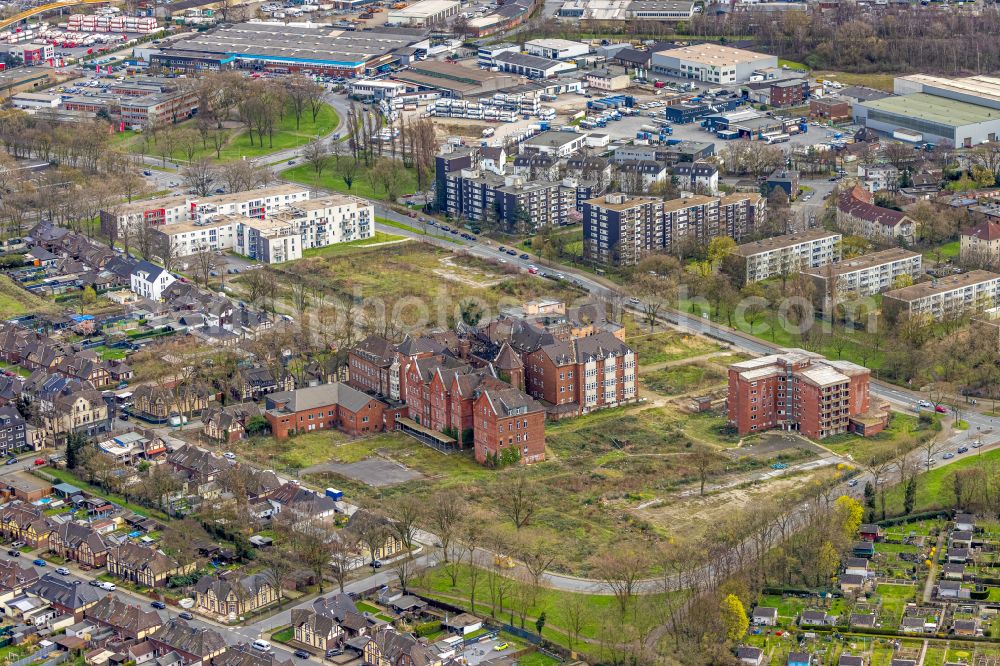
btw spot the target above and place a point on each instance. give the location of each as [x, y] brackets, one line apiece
[427, 628]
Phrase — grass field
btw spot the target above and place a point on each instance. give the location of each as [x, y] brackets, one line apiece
[238, 144]
[837, 344]
[903, 433]
[597, 611]
[15, 301]
[350, 246]
[597, 467]
[877, 81]
[661, 347]
[427, 284]
[332, 178]
[947, 251]
[684, 379]
[934, 488]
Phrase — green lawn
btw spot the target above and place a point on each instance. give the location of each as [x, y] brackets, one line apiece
[934, 488]
[415, 230]
[239, 144]
[333, 179]
[946, 251]
[894, 599]
[684, 379]
[24, 372]
[15, 301]
[839, 344]
[903, 433]
[595, 609]
[653, 348]
[341, 248]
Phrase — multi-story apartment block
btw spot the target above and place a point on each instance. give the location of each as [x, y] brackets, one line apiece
[509, 200]
[13, 431]
[981, 245]
[858, 214]
[622, 231]
[697, 176]
[950, 296]
[189, 208]
[271, 232]
[866, 275]
[581, 375]
[789, 254]
[801, 390]
[269, 241]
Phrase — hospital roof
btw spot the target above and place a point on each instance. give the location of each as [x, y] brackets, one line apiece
[932, 108]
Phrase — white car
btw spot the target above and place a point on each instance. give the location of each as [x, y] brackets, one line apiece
[261, 645]
[229, 456]
[925, 404]
[110, 587]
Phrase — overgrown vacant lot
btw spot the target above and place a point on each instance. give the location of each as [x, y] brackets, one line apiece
[440, 280]
[665, 346]
[15, 301]
[599, 467]
[684, 378]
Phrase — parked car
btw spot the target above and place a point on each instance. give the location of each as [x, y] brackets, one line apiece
[158, 604]
[852, 483]
[39, 461]
[261, 645]
[941, 409]
[14, 553]
[335, 652]
[186, 615]
[17, 544]
[948, 456]
[500, 647]
[925, 404]
[228, 455]
[11, 461]
[376, 564]
[110, 587]
[93, 583]
[62, 571]
[301, 654]
[977, 443]
[39, 562]
[962, 449]
[524, 256]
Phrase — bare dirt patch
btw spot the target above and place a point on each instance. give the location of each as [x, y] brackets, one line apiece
[466, 274]
[693, 515]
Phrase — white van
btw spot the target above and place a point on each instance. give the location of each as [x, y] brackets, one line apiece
[110, 587]
[261, 645]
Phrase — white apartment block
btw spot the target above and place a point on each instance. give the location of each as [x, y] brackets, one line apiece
[269, 241]
[313, 223]
[867, 275]
[789, 254]
[165, 211]
[954, 295]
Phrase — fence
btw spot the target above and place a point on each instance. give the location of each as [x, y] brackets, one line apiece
[32, 658]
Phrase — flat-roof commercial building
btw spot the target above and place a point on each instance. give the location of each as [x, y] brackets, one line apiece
[950, 296]
[534, 67]
[559, 144]
[622, 230]
[788, 254]
[424, 13]
[660, 10]
[931, 118]
[712, 63]
[454, 80]
[556, 49]
[801, 390]
[286, 48]
[866, 275]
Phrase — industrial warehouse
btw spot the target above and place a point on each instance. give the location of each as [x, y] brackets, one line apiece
[961, 112]
[284, 48]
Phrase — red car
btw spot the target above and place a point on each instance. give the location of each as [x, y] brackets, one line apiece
[39, 461]
[941, 409]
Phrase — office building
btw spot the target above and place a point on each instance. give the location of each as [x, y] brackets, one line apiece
[711, 63]
[866, 275]
[786, 255]
[533, 67]
[951, 296]
[801, 391]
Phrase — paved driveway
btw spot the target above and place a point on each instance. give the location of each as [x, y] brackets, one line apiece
[374, 472]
